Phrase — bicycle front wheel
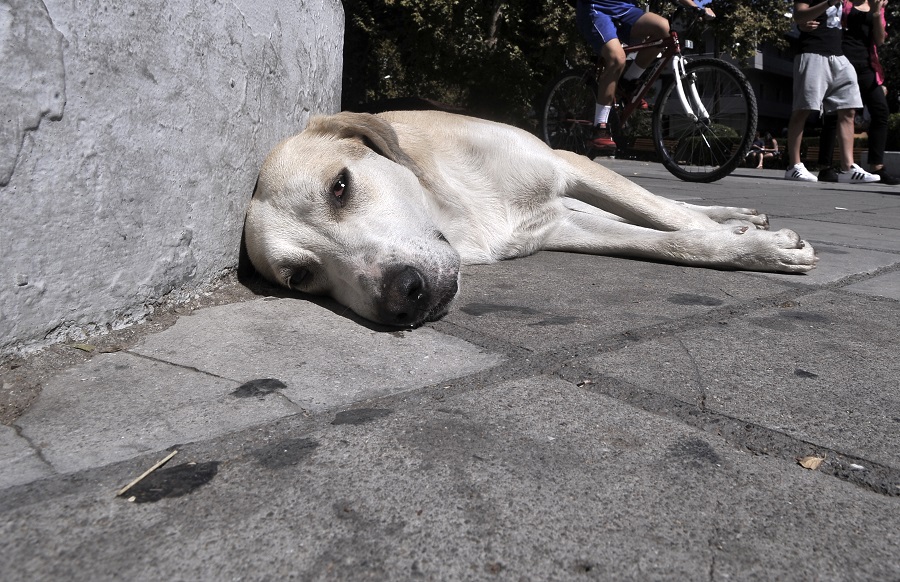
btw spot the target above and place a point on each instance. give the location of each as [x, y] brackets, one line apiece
[567, 111]
[707, 142]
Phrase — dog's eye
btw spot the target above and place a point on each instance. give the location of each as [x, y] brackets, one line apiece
[337, 189]
[298, 277]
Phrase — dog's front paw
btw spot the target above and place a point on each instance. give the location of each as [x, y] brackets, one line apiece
[751, 218]
[782, 251]
[797, 255]
[733, 216]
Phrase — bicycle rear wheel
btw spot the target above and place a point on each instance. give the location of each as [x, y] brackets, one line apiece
[705, 150]
[567, 111]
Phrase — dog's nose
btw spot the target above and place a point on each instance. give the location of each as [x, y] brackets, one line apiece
[405, 296]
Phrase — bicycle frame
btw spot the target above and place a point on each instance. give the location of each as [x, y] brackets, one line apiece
[671, 53]
[697, 140]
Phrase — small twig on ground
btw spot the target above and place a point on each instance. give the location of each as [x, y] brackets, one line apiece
[145, 473]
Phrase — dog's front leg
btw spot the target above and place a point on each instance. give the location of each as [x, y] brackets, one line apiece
[593, 184]
[733, 247]
[731, 215]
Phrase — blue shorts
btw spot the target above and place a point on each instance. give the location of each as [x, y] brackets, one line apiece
[600, 21]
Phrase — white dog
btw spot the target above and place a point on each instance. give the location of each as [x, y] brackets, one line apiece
[380, 211]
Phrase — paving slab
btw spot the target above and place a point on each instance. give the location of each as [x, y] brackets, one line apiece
[837, 262]
[323, 358]
[876, 215]
[823, 370]
[853, 236]
[534, 479]
[20, 463]
[551, 300]
[118, 406]
[887, 285]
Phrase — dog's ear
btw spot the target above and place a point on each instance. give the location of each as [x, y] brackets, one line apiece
[373, 131]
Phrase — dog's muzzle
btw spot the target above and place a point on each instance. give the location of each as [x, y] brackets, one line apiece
[408, 298]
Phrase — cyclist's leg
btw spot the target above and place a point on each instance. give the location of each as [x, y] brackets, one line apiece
[614, 58]
[599, 30]
[648, 27]
[597, 27]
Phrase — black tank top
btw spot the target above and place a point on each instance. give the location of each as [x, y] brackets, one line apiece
[858, 37]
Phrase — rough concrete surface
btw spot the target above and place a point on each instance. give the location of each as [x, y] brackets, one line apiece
[573, 417]
[130, 137]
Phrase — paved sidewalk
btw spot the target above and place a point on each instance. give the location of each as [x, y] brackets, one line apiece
[573, 417]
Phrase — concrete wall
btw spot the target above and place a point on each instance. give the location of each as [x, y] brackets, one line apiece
[130, 136]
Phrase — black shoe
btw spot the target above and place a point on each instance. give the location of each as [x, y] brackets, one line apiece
[886, 178]
[828, 175]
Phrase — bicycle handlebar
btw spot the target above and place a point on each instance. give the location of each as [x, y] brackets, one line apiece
[695, 17]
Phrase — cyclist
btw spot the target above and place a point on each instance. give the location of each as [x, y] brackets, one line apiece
[606, 25]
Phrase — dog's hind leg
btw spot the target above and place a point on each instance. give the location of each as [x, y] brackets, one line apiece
[733, 247]
[595, 185]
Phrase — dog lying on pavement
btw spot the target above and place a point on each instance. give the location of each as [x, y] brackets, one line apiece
[380, 211]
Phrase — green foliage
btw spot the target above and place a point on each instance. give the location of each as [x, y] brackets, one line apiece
[640, 124]
[491, 58]
[889, 55]
[743, 25]
[494, 57]
[723, 131]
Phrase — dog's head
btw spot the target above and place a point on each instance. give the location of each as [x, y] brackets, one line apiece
[339, 210]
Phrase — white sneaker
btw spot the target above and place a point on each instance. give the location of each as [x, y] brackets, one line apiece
[856, 175]
[799, 172]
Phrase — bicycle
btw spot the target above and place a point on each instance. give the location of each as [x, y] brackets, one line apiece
[703, 120]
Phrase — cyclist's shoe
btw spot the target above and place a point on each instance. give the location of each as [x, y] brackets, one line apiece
[799, 173]
[856, 175]
[602, 138]
[886, 178]
[828, 175]
[628, 87]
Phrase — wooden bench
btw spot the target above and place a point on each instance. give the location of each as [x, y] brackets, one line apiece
[647, 147]
[643, 144]
[811, 156]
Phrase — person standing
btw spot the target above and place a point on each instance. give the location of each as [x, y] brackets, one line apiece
[823, 79]
[864, 32]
